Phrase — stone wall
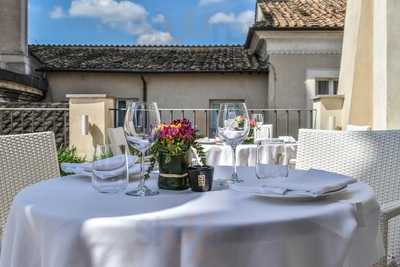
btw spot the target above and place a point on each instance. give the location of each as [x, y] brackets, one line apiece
[20, 118]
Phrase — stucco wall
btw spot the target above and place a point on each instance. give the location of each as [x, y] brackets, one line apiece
[295, 86]
[169, 90]
[13, 36]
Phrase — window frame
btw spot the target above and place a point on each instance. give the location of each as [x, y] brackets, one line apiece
[331, 85]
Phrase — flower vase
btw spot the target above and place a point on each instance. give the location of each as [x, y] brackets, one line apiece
[173, 171]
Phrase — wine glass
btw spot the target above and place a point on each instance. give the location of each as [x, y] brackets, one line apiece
[233, 127]
[259, 119]
[141, 123]
[258, 131]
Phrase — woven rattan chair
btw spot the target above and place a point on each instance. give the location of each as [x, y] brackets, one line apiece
[24, 160]
[369, 156]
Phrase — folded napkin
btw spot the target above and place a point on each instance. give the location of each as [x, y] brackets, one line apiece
[139, 143]
[104, 168]
[313, 183]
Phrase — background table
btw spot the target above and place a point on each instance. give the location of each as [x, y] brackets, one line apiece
[66, 223]
[221, 155]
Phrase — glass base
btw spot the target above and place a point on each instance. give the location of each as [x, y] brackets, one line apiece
[142, 191]
[235, 180]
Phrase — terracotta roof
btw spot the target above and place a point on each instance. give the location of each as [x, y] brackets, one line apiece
[146, 59]
[303, 14]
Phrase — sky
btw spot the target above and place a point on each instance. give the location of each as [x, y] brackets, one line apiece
[126, 22]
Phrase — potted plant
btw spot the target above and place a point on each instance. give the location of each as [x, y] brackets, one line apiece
[172, 150]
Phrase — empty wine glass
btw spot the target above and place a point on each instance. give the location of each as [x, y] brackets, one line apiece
[259, 119]
[233, 128]
[141, 123]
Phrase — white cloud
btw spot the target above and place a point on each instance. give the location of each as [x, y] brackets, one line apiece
[109, 11]
[246, 19]
[159, 18]
[57, 12]
[126, 15]
[242, 21]
[209, 2]
[222, 18]
[156, 37]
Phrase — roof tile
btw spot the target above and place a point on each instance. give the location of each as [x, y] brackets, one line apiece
[303, 14]
[146, 58]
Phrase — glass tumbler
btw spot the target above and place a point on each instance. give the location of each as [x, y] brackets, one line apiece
[109, 172]
[271, 160]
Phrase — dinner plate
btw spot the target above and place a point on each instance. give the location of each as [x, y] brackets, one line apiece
[289, 196]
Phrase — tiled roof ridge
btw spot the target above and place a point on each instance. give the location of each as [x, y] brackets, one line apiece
[146, 59]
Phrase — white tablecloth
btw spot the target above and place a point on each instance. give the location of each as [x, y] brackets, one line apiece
[66, 223]
[221, 155]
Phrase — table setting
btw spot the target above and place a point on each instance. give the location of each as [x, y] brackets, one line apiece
[181, 213]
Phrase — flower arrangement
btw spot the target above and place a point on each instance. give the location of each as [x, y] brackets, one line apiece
[176, 138]
[174, 141]
[240, 120]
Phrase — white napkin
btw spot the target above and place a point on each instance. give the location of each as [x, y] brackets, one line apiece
[287, 139]
[105, 168]
[139, 143]
[311, 183]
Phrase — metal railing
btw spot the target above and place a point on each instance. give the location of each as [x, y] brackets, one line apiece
[286, 122]
[30, 120]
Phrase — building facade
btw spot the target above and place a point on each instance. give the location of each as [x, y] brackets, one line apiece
[301, 41]
[292, 54]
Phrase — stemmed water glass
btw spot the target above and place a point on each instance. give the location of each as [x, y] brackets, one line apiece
[141, 123]
[233, 127]
[259, 119]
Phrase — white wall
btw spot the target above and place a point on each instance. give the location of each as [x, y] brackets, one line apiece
[169, 90]
[296, 75]
[298, 57]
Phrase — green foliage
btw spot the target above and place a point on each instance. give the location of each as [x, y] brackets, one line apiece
[68, 155]
[159, 147]
[103, 155]
[200, 152]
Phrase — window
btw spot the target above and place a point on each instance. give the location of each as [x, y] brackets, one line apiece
[121, 104]
[327, 86]
[214, 104]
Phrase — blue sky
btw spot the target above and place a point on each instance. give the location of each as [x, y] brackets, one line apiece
[139, 21]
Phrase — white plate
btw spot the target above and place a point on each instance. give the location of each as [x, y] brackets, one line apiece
[289, 195]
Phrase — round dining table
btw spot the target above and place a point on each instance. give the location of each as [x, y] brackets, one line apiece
[64, 222]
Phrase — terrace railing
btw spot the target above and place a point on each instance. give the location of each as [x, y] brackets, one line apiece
[286, 122]
[22, 120]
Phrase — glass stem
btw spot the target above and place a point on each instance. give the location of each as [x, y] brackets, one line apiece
[234, 175]
[142, 172]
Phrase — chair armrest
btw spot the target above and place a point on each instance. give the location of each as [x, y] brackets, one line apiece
[391, 209]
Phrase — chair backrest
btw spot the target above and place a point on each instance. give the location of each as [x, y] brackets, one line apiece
[24, 160]
[117, 138]
[369, 156]
[351, 127]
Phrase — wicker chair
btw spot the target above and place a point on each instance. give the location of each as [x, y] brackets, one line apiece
[24, 160]
[370, 156]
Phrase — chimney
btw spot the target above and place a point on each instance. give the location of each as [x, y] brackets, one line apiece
[13, 36]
